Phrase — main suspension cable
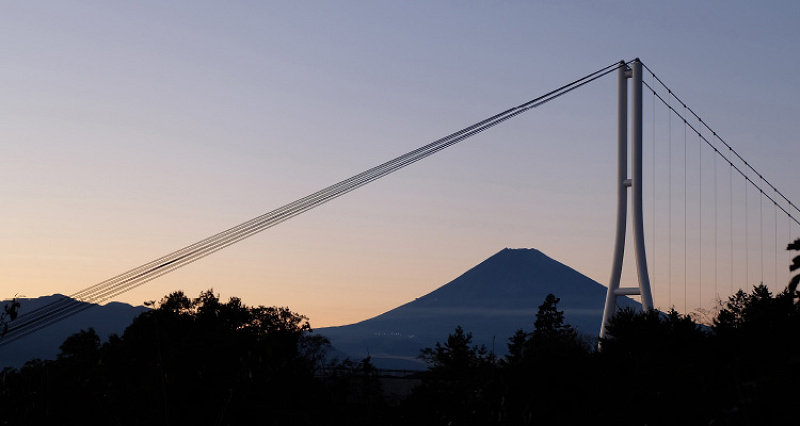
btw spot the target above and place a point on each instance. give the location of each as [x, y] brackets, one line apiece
[56, 311]
[718, 137]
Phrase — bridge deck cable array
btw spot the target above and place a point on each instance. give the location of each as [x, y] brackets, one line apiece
[741, 170]
[51, 313]
[719, 138]
[736, 206]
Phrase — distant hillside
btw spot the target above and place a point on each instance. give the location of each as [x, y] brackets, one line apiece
[491, 300]
[106, 320]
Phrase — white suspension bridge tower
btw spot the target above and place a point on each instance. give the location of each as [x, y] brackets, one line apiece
[632, 72]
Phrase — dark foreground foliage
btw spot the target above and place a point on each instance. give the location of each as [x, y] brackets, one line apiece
[200, 361]
[654, 368]
[190, 361]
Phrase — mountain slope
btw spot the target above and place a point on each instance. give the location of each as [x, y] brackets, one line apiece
[106, 319]
[491, 300]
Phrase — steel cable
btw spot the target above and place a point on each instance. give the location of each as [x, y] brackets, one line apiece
[47, 315]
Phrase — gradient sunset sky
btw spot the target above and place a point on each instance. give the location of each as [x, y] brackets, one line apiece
[131, 129]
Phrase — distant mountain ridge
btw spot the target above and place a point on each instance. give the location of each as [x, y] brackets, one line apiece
[492, 300]
[44, 344]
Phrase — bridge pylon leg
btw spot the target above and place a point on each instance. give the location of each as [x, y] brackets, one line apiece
[631, 72]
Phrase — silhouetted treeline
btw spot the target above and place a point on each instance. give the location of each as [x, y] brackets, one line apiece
[654, 368]
[201, 361]
[190, 361]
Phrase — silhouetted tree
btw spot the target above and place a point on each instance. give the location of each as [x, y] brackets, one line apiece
[544, 370]
[795, 246]
[81, 344]
[758, 336]
[551, 337]
[757, 310]
[549, 320]
[188, 361]
[459, 387]
[642, 335]
[517, 348]
[9, 313]
[457, 356]
[314, 349]
[669, 358]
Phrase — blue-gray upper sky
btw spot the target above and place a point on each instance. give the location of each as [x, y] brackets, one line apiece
[130, 129]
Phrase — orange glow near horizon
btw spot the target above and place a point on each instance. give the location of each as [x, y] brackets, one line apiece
[132, 130]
